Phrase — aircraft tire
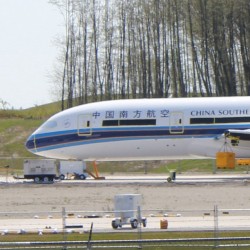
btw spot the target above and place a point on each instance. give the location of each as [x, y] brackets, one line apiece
[134, 224]
[169, 179]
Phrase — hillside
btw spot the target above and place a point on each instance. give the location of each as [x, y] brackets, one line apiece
[15, 127]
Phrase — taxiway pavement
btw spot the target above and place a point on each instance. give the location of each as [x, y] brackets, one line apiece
[189, 202]
[81, 225]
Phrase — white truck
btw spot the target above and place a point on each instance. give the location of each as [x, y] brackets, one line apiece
[45, 170]
[72, 170]
[126, 211]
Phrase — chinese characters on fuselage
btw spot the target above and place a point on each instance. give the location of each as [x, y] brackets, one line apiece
[135, 114]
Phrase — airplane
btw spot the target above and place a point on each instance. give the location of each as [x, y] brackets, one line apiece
[146, 129]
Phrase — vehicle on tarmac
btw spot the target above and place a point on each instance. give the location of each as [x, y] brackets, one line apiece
[47, 170]
[127, 211]
[72, 170]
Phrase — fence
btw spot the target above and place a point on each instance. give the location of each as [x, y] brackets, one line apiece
[65, 222]
[215, 219]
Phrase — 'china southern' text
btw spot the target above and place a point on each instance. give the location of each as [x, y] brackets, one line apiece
[226, 112]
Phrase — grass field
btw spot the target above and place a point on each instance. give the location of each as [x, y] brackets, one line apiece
[97, 237]
[120, 235]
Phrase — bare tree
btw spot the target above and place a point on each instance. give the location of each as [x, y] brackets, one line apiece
[153, 48]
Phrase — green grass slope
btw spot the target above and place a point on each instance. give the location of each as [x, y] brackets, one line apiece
[15, 127]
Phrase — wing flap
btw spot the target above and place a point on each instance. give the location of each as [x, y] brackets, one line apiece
[238, 134]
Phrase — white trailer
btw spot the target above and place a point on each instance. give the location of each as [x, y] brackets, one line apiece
[40, 170]
[126, 208]
[47, 170]
[75, 169]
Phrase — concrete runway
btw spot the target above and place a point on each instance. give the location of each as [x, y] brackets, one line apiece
[185, 221]
[149, 179]
[161, 179]
[175, 223]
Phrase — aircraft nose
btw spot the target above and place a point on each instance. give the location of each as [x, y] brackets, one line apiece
[30, 144]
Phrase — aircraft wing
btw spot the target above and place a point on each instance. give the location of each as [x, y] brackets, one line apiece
[238, 134]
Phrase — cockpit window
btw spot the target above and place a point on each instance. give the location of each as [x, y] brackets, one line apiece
[50, 124]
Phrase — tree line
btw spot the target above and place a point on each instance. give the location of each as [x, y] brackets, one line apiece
[153, 48]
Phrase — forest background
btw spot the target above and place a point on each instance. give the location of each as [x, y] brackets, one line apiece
[114, 49]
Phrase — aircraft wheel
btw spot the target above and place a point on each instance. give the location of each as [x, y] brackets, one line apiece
[134, 224]
[169, 179]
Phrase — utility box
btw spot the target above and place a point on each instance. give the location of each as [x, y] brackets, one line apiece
[225, 160]
[126, 210]
[40, 170]
[126, 205]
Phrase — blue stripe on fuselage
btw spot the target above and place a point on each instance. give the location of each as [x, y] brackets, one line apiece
[48, 141]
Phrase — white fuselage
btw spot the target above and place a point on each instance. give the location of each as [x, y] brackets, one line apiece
[144, 129]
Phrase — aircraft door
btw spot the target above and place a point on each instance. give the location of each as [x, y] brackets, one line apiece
[34, 142]
[84, 124]
[176, 123]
